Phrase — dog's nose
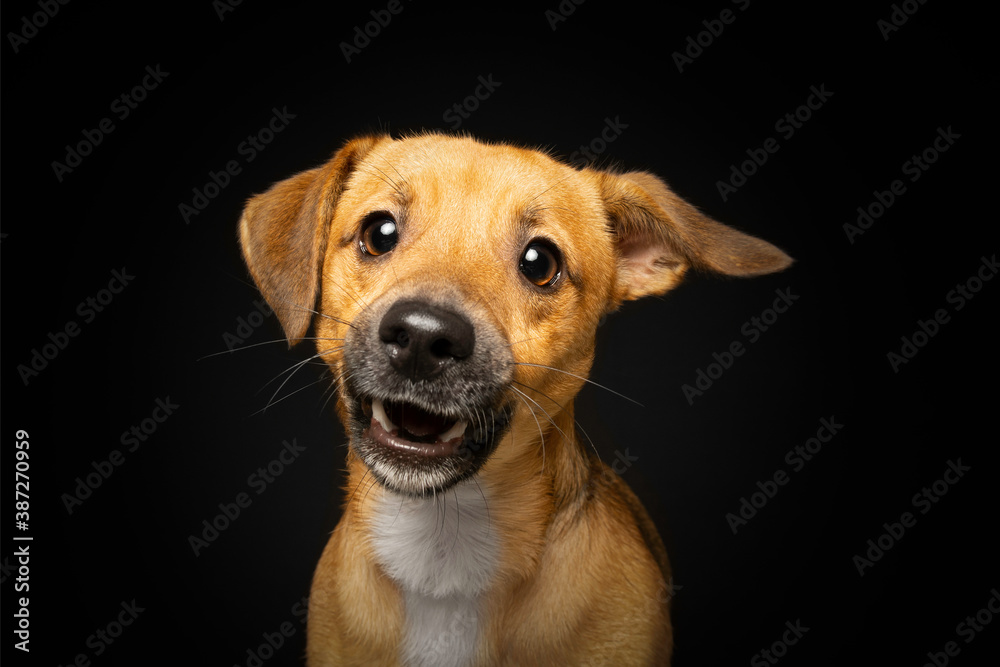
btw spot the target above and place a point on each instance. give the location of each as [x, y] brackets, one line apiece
[422, 339]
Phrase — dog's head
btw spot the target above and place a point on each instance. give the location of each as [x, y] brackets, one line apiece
[456, 287]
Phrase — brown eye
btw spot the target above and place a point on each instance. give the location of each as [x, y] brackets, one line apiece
[539, 263]
[379, 235]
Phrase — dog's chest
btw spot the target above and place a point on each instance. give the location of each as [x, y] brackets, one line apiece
[442, 552]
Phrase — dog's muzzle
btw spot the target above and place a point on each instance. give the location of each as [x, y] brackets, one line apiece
[426, 383]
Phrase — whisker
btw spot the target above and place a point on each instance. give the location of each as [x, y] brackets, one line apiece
[360, 484]
[273, 402]
[351, 293]
[266, 342]
[288, 303]
[441, 506]
[541, 435]
[294, 369]
[544, 412]
[386, 160]
[332, 318]
[384, 178]
[458, 520]
[398, 512]
[479, 416]
[486, 504]
[579, 377]
[531, 201]
[297, 365]
[332, 389]
[316, 312]
[525, 340]
[368, 490]
[395, 276]
[561, 407]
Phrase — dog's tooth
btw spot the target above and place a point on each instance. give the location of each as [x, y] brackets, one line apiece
[378, 411]
[456, 431]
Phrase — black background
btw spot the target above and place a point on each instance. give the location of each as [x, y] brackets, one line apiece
[826, 357]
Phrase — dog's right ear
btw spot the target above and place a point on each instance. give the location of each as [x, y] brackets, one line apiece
[659, 236]
[283, 233]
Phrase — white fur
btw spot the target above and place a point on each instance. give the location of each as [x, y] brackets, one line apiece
[442, 551]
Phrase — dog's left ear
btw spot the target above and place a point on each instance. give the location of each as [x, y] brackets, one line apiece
[283, 233]
[659, 236]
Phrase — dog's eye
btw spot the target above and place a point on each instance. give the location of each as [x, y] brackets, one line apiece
[379, 235]
[539, 263]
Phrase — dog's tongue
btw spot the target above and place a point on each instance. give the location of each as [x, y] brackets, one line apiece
[416, 421]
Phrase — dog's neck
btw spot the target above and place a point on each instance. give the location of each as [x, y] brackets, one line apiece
[438, 546]
[442, 552]
[446, 550]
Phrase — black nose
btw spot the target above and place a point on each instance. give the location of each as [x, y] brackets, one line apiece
[422, 339]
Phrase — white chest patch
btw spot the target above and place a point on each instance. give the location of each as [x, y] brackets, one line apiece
[442, 552]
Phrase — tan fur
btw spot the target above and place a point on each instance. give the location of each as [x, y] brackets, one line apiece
[583, 577]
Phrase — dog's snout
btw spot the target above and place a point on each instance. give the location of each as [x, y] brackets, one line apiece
[422, 339]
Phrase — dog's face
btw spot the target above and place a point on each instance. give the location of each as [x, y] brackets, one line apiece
[453, 266]
[459, 287]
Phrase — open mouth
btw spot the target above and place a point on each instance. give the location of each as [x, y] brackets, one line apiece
[410, 429]
[417, 451]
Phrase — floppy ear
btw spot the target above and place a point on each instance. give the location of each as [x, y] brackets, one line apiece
[659, 235]
[283, 233]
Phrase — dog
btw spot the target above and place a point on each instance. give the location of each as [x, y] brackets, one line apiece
[454, 288]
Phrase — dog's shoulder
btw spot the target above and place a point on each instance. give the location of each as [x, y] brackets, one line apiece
[607, 489]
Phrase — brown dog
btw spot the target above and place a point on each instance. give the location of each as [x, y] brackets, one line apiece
[456, 288]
